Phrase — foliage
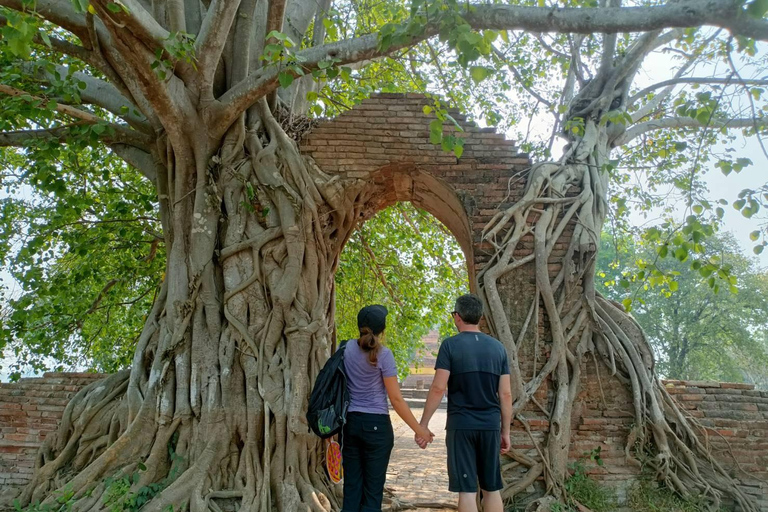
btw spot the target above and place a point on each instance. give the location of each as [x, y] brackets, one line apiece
[79, 236]
[119, 496]
[63, 503]
[405, 259]
[586, 491]
[478, 71]
[647, 495]
[697, 331]
[146, 85]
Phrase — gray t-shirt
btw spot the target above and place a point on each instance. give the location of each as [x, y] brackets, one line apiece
[365, 381]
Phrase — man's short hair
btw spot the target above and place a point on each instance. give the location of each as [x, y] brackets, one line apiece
[469, 308]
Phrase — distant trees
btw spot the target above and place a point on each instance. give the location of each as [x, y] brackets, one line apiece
[698, 332]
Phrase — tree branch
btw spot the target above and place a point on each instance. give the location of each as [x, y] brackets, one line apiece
[120, 135]
[136, 20]
[519, 77]
[686, 122]
[142, 160]
[697, 80]
[212, 38]
[377, 270]
[651, 106]
[58, 12]
[97, 92]
[684, 13]
[60, 107]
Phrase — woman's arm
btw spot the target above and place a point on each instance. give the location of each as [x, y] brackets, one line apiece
[402, 409]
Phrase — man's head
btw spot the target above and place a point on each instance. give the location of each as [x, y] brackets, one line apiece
[467, 311]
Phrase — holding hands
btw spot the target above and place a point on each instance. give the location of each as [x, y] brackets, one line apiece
[423, 436]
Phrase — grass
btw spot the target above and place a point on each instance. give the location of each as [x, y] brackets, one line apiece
[585, 490]
[647, 495]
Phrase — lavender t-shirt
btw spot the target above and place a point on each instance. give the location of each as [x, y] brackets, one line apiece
[365, 381]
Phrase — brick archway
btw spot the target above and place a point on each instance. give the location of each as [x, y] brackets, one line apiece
[383, 144]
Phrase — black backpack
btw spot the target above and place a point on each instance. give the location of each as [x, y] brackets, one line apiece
[328, 403]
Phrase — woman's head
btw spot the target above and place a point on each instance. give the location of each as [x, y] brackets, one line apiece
[371, 321]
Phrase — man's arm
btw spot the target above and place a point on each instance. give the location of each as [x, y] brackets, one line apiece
[505, 398]
[435, 396]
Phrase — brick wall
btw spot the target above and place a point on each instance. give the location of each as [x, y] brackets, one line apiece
[735, 419]
[29, 410]
[384, 144]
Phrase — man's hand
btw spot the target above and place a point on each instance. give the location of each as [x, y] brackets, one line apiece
[423, 437]
[505, 443]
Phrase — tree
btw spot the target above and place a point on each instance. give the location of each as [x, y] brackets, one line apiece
[696, 333]
[187, 94]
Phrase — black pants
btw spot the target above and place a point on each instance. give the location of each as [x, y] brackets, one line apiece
[367, 444]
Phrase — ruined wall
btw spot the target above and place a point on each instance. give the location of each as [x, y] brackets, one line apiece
[29, 410]
[385, 142]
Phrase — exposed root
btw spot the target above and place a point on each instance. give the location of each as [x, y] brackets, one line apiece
[582, 322]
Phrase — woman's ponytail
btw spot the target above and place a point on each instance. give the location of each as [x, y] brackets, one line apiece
[369, 343]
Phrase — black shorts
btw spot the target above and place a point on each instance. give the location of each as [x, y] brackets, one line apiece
[473, 456]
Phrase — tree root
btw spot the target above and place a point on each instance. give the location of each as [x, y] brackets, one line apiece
[581, 322]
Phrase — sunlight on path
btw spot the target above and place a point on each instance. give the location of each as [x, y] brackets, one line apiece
[417, 475]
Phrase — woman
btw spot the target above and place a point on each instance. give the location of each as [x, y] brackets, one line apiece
[368, 437]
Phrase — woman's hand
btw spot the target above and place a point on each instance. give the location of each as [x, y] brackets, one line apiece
[423, 436]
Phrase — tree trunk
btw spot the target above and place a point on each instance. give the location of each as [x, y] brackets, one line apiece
[224, 364]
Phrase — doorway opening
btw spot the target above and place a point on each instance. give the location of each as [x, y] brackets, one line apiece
[407, 260]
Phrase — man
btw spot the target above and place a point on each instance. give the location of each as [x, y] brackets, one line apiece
[473, 367]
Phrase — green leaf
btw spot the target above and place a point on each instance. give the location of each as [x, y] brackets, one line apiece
[436, 131]
[46, 39]
[698, 209]
[627, 303]
[480, 73]
[757, 8]
[758, 249]
[285, 78]
[81, 6]
[276, 34]
[754, 235]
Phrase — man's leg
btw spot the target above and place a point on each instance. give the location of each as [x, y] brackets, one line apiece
[468, 502]
[462, 467]
[489, 470]
[492, 501]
